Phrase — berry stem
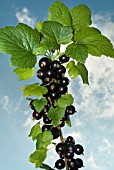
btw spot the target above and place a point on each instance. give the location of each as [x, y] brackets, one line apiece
[62, 140]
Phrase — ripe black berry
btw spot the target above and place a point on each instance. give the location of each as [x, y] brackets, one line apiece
[37, 115]
[55, 132]
[41, 74]
[49, 73]
[79, 162]
[44, 62]
[54, 95]
[60, 164]
[55, 64]
[64, 59]
[60, 147]
[70, 139]
[72, 164]
[64, 81]
[61, 70]
[69, 155]
[62, 89]
[47, 120]
[46, 127]
[70, 110]
[79, 149]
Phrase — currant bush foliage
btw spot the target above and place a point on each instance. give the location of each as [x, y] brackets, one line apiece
[50, 100]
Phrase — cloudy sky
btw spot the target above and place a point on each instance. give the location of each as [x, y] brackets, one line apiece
[92, 126]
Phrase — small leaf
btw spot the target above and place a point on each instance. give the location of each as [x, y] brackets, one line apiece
[34, 89]
[96, 43]
[39, 26]
[35, 131]
[62, 14]
[21, 43]
[79, 52]
[44, 139]
[79, 69]
[72, 70]
[68, 122]
[38, 157]
[39, 104]
[65, 100]
[81, 17]
[56, 114]
[46, 167]
[24, 73]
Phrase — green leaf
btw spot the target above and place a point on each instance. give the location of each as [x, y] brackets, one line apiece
[46, 167]
[79, 52]
[62, 14]
[35, 131]
[79, 69]
[34, 89]
[65, 100]
[38, 157]
[97, 43]
[62, 35]
[24, 73]
[68, 122]
[21, 43]
[39, 26]
[81, 17]
[39, 104]
[56, 114]
[44, 139]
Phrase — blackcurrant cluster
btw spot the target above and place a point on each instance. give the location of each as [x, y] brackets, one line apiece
[52, 74]
[66, 152]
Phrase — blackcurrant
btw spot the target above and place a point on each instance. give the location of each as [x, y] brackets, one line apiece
[54, 95]
[70, 147]
[50, 73]
[62, 89]
[55, 132]
[60, 164]
[64, 81]
[79, 149]
[60, 147]
[72, 164]
[62, 155]
[79, 163]
[61, 70]
[47, 120]
[70, 139]
[44, 62]
[63, 59]
[70, 110]
[40, 74]
[69, 155]
[55, 64]
[37, 115]
[46, 127]
[52, 86]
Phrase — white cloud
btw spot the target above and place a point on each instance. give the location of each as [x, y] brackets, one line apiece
[5, 103]
[91, 162]
[29, 122]
[23, 16]
[106, 146]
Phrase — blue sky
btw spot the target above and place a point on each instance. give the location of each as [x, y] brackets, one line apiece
[92, 126]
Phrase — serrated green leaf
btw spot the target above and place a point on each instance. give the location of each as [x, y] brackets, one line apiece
[44, 139]
[81, 17]
[97, 43]
[72, 70]
[35, 131]
[39, 26]
[46, 167]
[56, 114]
[24, 73]
[21, 43]
[38, 157]
[39, 104]
[79, 52]
[79, 69]
[34, 89]
[65, 100]
[68, 122]
[61, 34]
[62, 14]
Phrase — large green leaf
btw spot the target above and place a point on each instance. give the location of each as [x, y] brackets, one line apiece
[65, 100]
[81, 17]
[79, 69]
[56, 114]
[79, 52]
[34, 89]
[24, 73]
[21, 43]
[35, 131]
[38, 157]
[97, 43]
[60, 13]
[39, 104]
[44, 139]
[61, 34]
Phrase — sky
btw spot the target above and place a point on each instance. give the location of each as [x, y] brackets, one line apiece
[92, 125]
